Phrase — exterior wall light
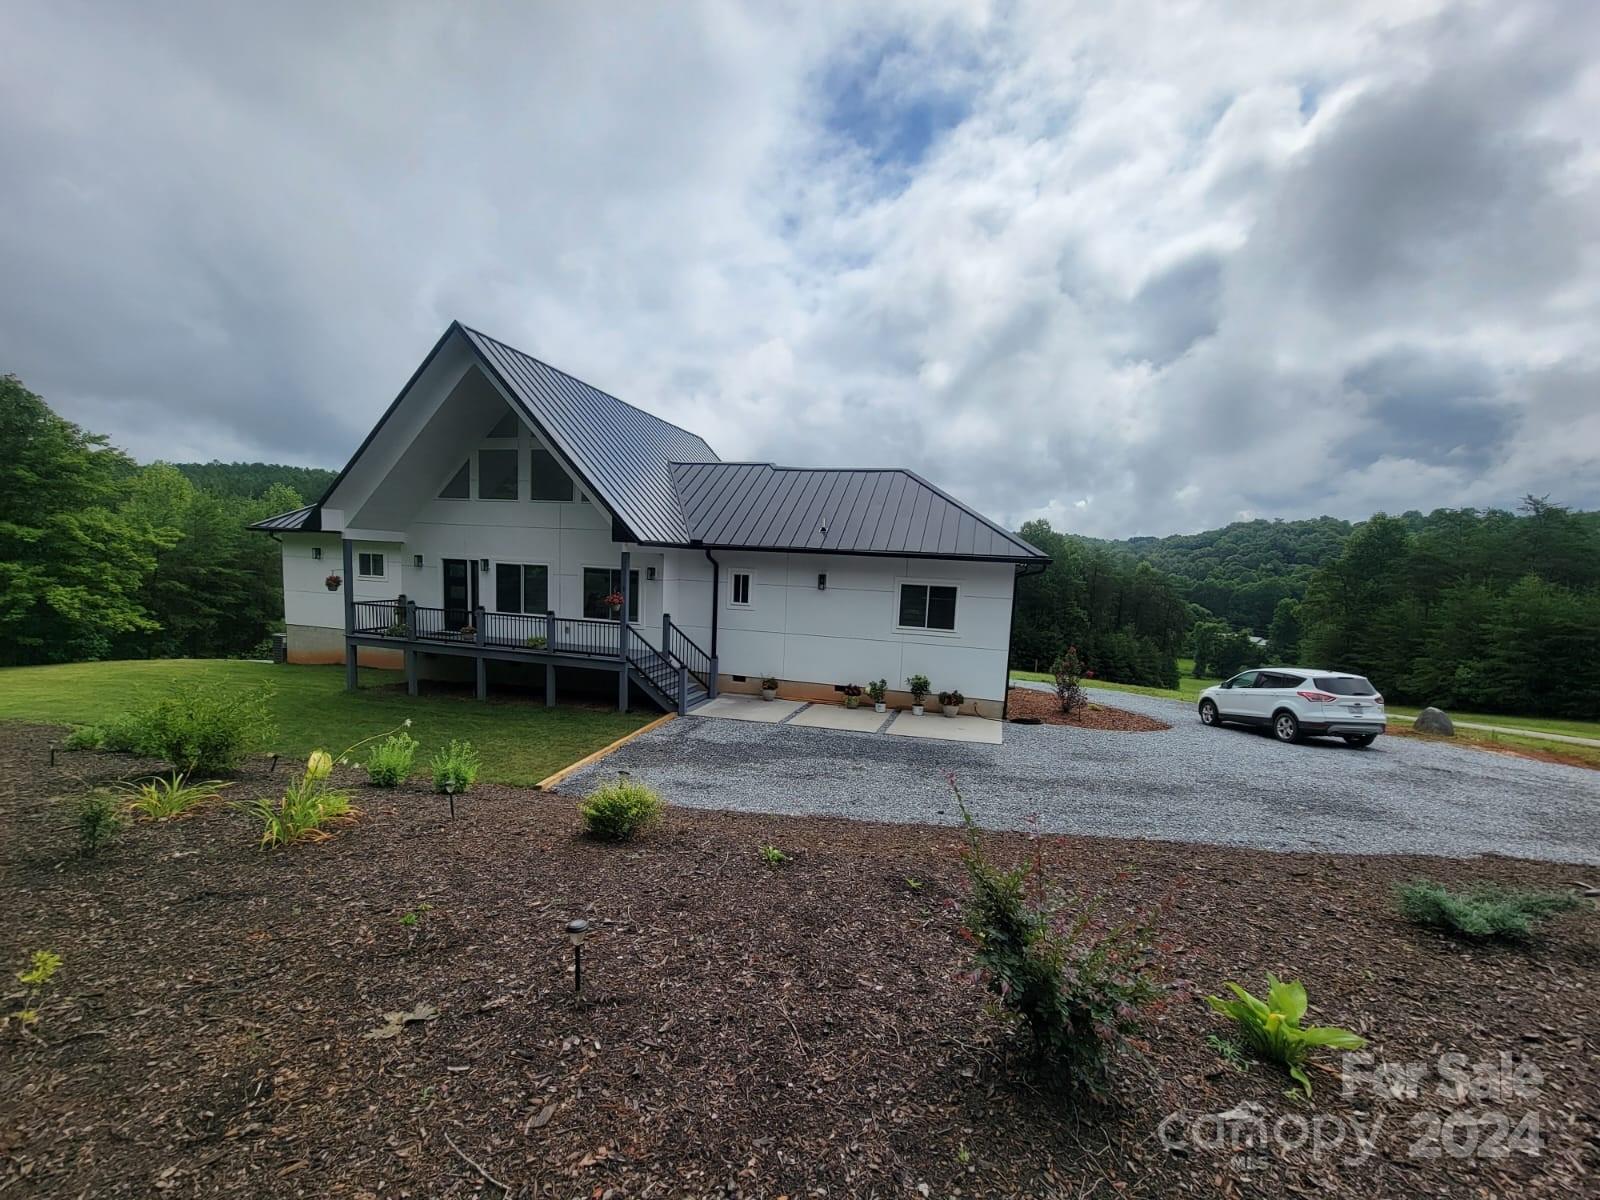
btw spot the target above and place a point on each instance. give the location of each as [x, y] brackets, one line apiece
[822, 581]
[649, 572]
[316, 552]
[577, 930]
[416, 561]
[483, 565]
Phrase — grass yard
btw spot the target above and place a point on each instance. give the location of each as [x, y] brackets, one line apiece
[391, 1012]
[521, 742]
[1188, 688]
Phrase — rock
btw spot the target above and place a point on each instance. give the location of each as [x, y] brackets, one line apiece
[1432, 720]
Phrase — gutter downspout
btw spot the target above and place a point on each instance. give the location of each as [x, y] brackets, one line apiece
[716, 591]
[1022, 573]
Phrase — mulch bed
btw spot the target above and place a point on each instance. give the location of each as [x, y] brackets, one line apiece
[1032, 703]
[745, 1030]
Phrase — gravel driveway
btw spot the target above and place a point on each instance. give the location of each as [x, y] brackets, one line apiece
[1232, 787]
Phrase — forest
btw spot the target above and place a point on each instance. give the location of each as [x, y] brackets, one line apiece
[1491, 610]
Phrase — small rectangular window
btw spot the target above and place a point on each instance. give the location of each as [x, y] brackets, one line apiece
[546, 479]
[369, 564]
[497, 474]
[739, 589]
[460, 485]
[927, 606]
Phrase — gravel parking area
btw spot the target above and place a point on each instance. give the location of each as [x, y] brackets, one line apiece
[1228, 787]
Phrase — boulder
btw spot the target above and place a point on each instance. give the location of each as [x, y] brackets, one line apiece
[1432, 720]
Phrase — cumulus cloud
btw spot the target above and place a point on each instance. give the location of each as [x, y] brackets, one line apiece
[1132, 268]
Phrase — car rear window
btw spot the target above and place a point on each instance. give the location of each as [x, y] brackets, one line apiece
[1346, 685]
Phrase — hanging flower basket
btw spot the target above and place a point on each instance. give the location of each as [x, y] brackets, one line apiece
[614, 601]
[334, 582]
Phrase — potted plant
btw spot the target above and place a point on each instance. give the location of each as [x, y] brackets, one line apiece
[919, 687]
[769, 688]
[537, 642]
[614, 603]
[469, 630]
[878, 689]
[852, 695]
[333, 582]
[951, 702]
[397, 627]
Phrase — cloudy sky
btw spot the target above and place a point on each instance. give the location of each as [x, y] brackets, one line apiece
[1137, 268]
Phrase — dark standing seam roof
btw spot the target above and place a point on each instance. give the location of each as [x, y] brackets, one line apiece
[668, 487]
[757, 506]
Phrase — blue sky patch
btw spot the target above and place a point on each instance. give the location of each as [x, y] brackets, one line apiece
[880, 101]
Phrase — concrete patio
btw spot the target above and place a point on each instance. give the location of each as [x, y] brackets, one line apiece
[838, 718]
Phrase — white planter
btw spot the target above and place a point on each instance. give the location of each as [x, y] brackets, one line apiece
[916, 710]
[951, 710]
[879, 706]
[769, 693]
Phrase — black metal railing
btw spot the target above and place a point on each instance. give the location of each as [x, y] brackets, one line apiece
[444, 624]
[381, 618]
[653, 665]
[519, 631]
[681, 647]
[584, 635]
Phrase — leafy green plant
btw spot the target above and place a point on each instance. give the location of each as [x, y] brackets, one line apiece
[951, 699]
[1484, 913]
[769, 683]
[455, 768]
[127, 734]
[85, 737]
[1229, 1051]
[100, 820]
[389, 764]
[1271, 1027]
[413, 916]
[773, 857]
[919, 687]
[1074, 981]
[618, 811]
[878, 689]
[164, 797]
[306, 808]
[537, 642]
[36, 976]
[206, 730]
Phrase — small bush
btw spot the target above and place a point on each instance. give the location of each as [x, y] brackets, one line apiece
[1484, 913]
[1068, 672]
[389, 764]
[773, 857]
[307, 807]
[1075, 982]
[918, 686]
[1272, 1029]
[85, 737]
[126, 734]
[455, 768]
[161, 799]
[617, 811]
[99, 821]
[36, 976]
[207, 730]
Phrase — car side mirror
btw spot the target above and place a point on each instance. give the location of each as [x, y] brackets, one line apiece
[1227, 683]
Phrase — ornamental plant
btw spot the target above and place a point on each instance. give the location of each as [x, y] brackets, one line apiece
[1068, 670]
[99, 820]
[878, 689]
[389, 764]
[1272, 1029]
[206, 730]
[919, 687]
[617, 811]
[36, 976]
[455, 768]
[1485, 913]
[955, 699]
[164, 798]
[305, 810]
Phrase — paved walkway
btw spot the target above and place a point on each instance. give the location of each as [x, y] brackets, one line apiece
[1229, 786]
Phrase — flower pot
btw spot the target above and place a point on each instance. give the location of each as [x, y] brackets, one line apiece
[879, 706]
[769, 693]
[916, 710]
[852, 701]
[951, 710]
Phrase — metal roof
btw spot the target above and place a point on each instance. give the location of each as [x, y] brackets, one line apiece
[623, 453]
[759, 506]
[301, 520]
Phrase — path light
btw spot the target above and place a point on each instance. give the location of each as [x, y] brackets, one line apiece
[450, 793]
[577, 930]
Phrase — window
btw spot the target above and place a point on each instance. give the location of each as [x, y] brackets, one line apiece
[1242, 680]
[1345, 685]
[497, 474]
[928, 606]
[1274, 679]
[505, 427]
[460, 485]
[739, 589]
[546, 479]
[600, 582]
[369, 564]
[521, 588]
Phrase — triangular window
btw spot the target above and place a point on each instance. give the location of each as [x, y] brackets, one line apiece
[460, 485]
[505, 427]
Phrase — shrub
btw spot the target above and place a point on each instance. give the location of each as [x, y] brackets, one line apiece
[773, 857]
[208, 730]
[390, 761]
[1068, 672]
[307, 806]
[770, 683]
[85, 737]
[126, 734]
[617, 811]
[99, 821]
[878, 689]
[161, 798]
[1272, 1027]
[455, 768]
[952, 698]
[1073, 981]
[36, 976]
[1484, 913]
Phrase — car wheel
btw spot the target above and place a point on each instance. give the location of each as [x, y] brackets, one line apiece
[1361, 739]
[1209, 714]
[1285, 727]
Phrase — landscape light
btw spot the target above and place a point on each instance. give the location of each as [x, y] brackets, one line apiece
[577, 930]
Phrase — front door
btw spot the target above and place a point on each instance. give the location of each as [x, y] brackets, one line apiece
[460, 592]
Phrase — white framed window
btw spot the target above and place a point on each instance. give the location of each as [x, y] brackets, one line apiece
[927, 606]
[459, 485]
[521, 587]
[600, 582]
[370, 564]
[741, 589]
[546, 478]
[497, 474]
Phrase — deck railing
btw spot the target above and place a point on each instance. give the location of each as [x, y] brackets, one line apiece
[385, 618]
[522, 631]
[681, 647]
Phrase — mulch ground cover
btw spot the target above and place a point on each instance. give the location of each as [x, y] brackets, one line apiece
[219, 1025]
[1044, 707]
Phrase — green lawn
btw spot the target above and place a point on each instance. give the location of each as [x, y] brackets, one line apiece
[1188, 688]
[521, 742]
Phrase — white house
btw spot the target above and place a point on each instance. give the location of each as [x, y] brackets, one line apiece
[502, 515]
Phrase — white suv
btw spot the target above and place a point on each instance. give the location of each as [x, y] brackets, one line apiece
[1296, 701]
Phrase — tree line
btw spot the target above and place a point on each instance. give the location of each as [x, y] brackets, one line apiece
[101, 557]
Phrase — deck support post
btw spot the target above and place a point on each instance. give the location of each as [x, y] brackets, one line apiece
[666, 633]
[483, 677]
[622, 635]
[711, 680]
[549, 685]
[411, 672]
[683, 689]
[351, 654]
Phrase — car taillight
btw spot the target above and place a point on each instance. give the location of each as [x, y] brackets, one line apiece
[1317, 697]
[1377, 699]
